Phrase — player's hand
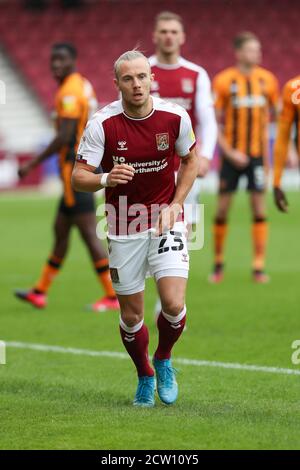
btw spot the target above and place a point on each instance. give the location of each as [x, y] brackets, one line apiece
[238, 159]
[204, 164]
[25, 169]
[120, 174]
[280, 200]
[167, 219]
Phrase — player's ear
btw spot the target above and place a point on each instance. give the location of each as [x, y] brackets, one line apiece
[116, 82]
[152, 75]
[182, 41]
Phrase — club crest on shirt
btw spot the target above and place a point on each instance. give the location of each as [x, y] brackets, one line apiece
[162, 141]
[187, 85]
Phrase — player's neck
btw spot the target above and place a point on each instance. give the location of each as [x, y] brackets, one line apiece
[138, 112]
[168, 59]
[65, 77]
[245, 69]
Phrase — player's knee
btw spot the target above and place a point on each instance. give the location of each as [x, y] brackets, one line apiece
[131, 317]
[173, 307]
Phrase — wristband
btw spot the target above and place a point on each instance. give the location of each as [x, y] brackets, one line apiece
[103, 180]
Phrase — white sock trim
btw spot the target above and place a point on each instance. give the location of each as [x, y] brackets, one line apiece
[177, 319]
[131, 329]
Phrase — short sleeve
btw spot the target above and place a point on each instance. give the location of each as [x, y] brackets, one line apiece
[186, 139]
[91, 146]
[69, 106]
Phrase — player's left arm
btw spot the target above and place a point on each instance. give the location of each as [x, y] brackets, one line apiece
[281, 145]
[187, 173]
[207, 128]
[64, 136]
[274, 95]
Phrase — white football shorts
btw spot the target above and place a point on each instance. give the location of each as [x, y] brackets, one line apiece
[135, 257]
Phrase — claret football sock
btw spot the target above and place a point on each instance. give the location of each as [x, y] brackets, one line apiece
[259, 237]
[49, 272]
[102, 269]
[169, 328]
[136, 340]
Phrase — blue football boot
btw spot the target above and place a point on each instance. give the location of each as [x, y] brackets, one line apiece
[145, 392]
[167, 387]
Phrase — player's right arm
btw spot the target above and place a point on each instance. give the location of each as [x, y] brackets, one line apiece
[281, 146]
[84, 178]
[89, 157]
[235, 157]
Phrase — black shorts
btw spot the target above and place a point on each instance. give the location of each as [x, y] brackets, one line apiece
[84, 202]
[230, 175]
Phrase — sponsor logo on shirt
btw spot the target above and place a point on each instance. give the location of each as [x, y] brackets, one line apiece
[162, 141]
[249, 101]
[118, 160]
[187, 85]
[142, 167]
[192, 135]
[122, 145]
[69, 102]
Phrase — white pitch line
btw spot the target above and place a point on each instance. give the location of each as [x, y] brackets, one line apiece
[181, 361]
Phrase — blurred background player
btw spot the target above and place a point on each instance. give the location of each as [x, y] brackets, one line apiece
[244, 96]
[187, 84]
[74, 102]
[289, 115]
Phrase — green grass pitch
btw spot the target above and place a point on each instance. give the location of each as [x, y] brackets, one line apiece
[50, 400]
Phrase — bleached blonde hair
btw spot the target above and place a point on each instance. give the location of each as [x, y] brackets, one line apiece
[128, 56]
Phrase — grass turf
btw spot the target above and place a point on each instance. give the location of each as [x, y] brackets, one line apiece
[60, 401]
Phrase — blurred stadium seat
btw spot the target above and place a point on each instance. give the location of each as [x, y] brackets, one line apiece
[103, 29]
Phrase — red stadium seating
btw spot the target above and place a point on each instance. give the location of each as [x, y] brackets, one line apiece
[103, 30]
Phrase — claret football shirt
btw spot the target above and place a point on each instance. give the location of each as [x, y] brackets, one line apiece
[188, 85]
[148, 144]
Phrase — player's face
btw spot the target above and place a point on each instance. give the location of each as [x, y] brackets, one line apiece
[250, 53]
[62, 63]
[168, 36]
[134, 81]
